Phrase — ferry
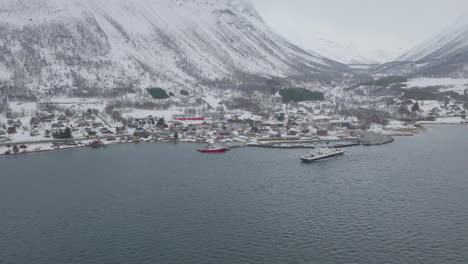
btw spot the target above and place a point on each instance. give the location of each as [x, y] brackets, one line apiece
[321, 154]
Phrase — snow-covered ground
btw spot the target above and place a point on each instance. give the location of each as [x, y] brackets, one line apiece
[445, 120]
[428, 105]
[212, 100]
[141, 113]
[394, 124]
[447, 84]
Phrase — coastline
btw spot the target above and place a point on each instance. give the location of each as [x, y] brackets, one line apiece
[364, 138]
[386, 137]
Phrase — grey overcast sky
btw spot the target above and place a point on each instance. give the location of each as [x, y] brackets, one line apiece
[369, 24]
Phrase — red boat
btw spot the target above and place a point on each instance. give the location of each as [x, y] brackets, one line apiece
[213, 149]
[96, 144]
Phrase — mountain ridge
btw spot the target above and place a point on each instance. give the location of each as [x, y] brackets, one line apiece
[445, 54]
[450, 41]
[56, 45]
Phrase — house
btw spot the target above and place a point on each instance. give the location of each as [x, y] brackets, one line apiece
[83, 124]
[190, 119]
[97, 124]
[163, 134]
[47, 120]
[34, 133]
[235, 121]
[11, 130]
[105, 130]
[62, 118]
[121, 130]
[17, 124]
[57, 125]
[187, 117]
[90, 118]
[92, 134]
[322, 132]
[146, 120]
[224, 133]
[342, 124]
[141, 134]
[213, 115]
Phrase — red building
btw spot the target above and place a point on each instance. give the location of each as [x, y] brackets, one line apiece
[11, 130]
[190, 119]
[322, 132]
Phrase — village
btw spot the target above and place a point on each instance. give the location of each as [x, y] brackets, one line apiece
[70, 123]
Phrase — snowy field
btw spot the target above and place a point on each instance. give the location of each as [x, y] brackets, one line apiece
[448, 84]
[445, 120]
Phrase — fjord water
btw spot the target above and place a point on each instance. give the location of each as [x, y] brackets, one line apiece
[406, 202]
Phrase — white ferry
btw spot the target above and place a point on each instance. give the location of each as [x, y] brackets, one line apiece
[321, 154]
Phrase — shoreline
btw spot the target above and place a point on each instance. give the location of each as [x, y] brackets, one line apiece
[384, 139]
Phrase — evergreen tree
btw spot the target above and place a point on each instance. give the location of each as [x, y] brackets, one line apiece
[158, 93]
[63, 134]
[300, 94]
[415, 107]
[161, 123]
[67, 133]
[281, 117]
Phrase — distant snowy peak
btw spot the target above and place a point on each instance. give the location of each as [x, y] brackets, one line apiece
[443, 55]
[451, 41]
[350, 53]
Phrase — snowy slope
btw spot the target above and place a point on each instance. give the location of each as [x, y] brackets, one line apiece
[451, 41]
[349, 53]
[57, 45]
[443, 55]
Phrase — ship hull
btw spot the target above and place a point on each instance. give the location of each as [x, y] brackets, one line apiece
[307, 159]
[213, 150]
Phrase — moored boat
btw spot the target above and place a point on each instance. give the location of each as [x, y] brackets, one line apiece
[345, 145]
[321, 154]
[213, 149]
[96, 144]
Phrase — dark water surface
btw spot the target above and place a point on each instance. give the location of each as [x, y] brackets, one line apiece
[406, 202]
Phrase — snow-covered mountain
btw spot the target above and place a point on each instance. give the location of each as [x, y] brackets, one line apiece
[451, 41]
[444, 54]
[350, 53]
[56, 45]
